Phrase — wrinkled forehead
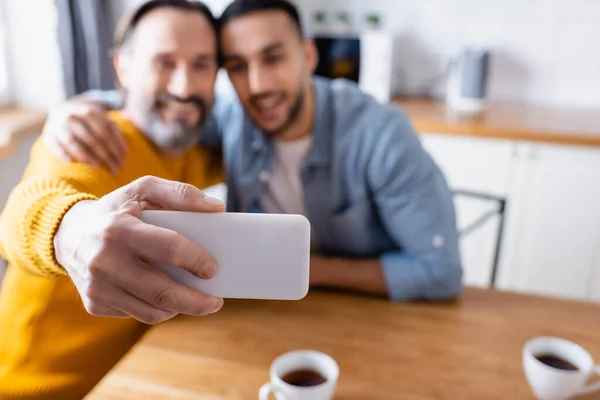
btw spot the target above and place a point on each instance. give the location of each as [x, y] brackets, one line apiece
[174, 31]
[250, 34]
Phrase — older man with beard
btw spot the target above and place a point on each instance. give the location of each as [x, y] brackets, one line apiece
[76, 247]
[380, 209]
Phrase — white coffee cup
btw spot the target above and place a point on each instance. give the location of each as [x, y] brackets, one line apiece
[550, 383]
[301, 360]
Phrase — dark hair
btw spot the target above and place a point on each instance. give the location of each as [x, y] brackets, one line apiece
[242, 7]
[128, 24]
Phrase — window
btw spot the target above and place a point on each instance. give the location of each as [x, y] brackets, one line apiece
[216, 6]
[4, 81]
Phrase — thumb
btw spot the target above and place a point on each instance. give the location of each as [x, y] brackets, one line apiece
[152, 193]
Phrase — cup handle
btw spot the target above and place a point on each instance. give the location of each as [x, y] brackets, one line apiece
[591, 388]
[263, 393]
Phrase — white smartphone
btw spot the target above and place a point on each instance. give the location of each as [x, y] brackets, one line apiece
[259, 256]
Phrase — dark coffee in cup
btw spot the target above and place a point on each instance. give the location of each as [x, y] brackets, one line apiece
[304, 378]
[556, 362]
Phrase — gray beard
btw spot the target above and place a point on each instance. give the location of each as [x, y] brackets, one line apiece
[177, 135]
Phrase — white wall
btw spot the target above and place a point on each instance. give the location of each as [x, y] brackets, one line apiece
[118, 7]
[544, 51]
[33, 53]
[217, 6]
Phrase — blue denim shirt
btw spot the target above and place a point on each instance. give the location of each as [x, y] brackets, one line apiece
[371, 190]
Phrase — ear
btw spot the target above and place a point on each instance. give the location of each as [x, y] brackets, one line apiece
[311, 55]
[121, 64]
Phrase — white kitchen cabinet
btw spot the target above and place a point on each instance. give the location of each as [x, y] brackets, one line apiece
[481, 166]
[551, 244]
[552, 241]
[471, 163]
[594, 293]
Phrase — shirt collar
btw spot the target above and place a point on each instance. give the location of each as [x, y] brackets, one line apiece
[319, 154]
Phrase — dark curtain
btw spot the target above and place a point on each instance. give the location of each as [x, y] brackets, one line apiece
[85, 39]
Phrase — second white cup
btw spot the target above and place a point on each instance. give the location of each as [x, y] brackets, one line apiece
[302, 375]
[557, 369]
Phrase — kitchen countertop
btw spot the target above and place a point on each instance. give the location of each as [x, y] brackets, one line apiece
[15, 123]
[511, 121]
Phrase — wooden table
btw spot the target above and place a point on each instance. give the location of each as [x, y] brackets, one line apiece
[469, 349]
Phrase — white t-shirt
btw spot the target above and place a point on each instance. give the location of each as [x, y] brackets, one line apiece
[282, 190]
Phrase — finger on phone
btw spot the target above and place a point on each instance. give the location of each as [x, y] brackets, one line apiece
[160, 292]
[169, 248]
[106, 311]
[126, 303]
[173, 195]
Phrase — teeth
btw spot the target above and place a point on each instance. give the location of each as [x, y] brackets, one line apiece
[268, 104]
[181, 107]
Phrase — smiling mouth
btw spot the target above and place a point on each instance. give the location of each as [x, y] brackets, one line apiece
[179, 107]
[269, 104]
[175, 110]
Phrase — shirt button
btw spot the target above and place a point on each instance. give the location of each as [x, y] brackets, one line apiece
[264, 176]
[438, 241]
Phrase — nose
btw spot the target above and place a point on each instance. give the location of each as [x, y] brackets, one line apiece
[257, 80]
[180, 83]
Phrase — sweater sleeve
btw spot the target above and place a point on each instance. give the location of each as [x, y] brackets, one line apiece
[36, 206]
[30, 220]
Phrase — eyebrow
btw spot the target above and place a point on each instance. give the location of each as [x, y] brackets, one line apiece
[267, 49]
[206, 57]
[199, 57]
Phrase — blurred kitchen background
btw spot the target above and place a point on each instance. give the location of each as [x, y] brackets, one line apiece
[505, 95]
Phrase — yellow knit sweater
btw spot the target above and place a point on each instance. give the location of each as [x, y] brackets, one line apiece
[50, 347]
